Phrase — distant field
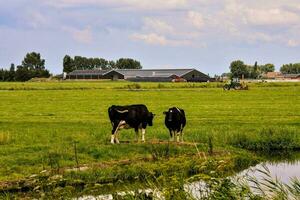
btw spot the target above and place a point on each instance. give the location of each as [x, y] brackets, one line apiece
[39, 120]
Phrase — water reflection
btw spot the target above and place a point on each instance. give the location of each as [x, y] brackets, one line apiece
[283, 171]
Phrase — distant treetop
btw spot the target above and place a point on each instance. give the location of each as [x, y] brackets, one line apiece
[80, 63]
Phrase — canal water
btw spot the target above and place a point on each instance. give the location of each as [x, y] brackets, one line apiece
[283, 171]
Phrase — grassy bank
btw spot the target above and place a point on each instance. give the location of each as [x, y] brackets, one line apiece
[156, 171]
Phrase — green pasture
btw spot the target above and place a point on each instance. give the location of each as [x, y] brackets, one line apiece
[40, 122]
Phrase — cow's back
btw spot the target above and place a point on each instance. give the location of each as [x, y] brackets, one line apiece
[137, 114]
[132, 114]
[117, 112]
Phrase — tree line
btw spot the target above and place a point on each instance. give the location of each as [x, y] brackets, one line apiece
[82, 63]
[290, 68]
[33, 66]
[239, 69]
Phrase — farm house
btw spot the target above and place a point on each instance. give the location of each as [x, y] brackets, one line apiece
[148, 75]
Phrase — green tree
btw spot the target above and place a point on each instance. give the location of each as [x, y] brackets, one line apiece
[239, 69]
[2, 74]
[290, 68]
[111, 64]
[11, 73]
[68, 64]
[33, 61]
[23, 73]
[32, 66]
[100, 63]
[80, 62]
[267, 68]
[6, 75]
[128, 63]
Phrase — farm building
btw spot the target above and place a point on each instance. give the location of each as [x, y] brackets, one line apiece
[152, 75]
[280, 76]
[292, 76]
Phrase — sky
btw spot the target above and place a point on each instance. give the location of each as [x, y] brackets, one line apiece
[202, 34]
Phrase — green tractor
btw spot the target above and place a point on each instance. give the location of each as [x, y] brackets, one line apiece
[235, 84]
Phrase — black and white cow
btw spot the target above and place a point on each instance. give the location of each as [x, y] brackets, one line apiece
[131, 116]
[175, 121]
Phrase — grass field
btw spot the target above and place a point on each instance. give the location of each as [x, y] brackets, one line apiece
[39, 122]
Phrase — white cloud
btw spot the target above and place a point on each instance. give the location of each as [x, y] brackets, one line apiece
[84, 36]
[177, 22]
[132, 4]
[36, 19]
[155, 39]
[275, 16]
[196, 19]
[293, 43]
[157, 25]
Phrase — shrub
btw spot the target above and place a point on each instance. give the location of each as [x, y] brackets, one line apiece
[134, 86]
[160, 85]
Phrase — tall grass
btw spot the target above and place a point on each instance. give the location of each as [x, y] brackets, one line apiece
[268, 140]
[5, 138]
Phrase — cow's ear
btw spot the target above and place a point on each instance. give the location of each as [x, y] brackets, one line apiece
[165, 112]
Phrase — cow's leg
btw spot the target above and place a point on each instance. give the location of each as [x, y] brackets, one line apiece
[112, 139]
[143, 134]
[181, 133]
[116, 138]
[114, 133]
[144, 125]
[136, 134]
[177, 136]
[171, 135]
[174, 135]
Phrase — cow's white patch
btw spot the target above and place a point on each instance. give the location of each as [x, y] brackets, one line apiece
[124, 125]
[143, 134]
[178, 110]
[122, 111]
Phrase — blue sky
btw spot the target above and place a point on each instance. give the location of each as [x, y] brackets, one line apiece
[202, 34]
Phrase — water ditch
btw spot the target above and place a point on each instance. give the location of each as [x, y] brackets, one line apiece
[280, 169]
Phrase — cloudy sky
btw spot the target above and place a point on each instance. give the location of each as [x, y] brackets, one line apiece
[202, 34]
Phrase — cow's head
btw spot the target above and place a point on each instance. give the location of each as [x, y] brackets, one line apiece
[170, 113]
[150, 118]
